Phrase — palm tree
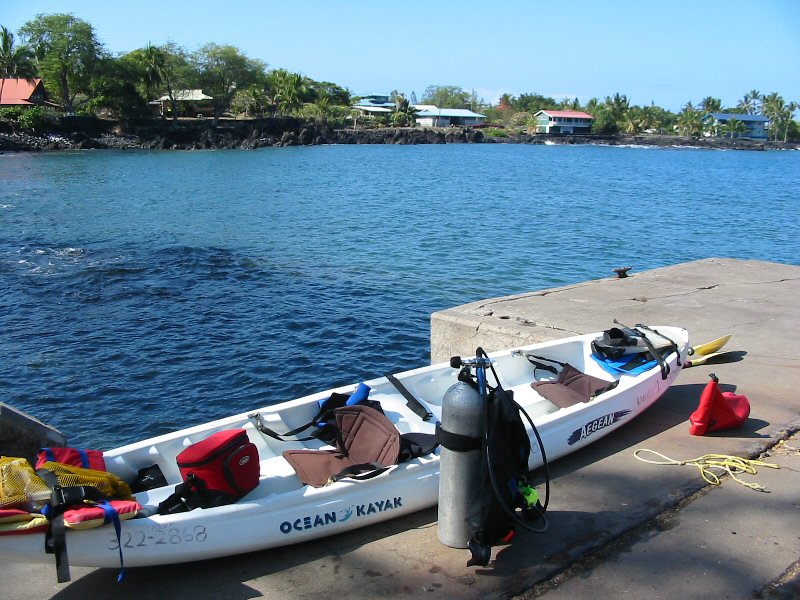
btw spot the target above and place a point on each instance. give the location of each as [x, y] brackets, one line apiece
[618, 105]
[153, 68]
[405, 115]
[289, 90]
[790, 108]
[632, 122]
[754, 96]
[16, 62]
[734, 128]
[689, 121]
[774, 108]
[710, 104]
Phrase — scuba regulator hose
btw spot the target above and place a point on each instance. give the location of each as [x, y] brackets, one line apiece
[539, 507]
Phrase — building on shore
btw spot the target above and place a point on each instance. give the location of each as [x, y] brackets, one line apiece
[433, 116]
[563, 121]
[427, 115]
[755, 126]
[189, 103]
[24, 92]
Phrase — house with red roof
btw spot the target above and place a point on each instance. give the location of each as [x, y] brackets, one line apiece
[23, 92]
[563, 121]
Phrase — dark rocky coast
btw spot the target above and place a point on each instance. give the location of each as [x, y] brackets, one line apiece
[88, 133]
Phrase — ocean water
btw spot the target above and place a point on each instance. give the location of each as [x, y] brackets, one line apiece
[142, 292]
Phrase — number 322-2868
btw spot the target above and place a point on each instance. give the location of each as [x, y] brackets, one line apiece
[158, 537]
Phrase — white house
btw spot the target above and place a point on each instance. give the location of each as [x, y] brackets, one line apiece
[189, 103]
[374, 105]
[563, 121]
[432, 116]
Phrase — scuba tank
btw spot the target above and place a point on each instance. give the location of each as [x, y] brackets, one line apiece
[459, 434]
[483, 463]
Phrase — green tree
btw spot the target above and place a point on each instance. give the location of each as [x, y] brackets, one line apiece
[688, 123]
[446, 96]
[223, 69]
[162, 70]
[632, 121]
[734, 128]
[68, 54]
[773, 107]
[710, 104]
[113, 89]
[336, 94]
[533, 103]
[604, 121]
[404, 115]
[289, 90]
[617, 105]
[791, 107]
[17, 61]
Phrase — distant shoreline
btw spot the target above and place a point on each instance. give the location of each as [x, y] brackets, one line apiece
[90, 133]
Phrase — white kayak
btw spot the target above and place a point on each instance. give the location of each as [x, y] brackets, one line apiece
[281, 510]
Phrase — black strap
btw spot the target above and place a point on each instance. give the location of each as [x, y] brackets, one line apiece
[535, 361]
[360, 472]
[412, 403]
[457, 441]
[416, 444]
[258, 423]
[61, 498]
[673, 344]
[656, 355]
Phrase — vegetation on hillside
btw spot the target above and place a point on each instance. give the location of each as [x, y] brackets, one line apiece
[85, 78]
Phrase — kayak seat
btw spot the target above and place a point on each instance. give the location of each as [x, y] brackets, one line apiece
[368, 443]
[571, 387]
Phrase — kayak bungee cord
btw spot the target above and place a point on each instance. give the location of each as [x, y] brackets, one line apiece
[709, 464]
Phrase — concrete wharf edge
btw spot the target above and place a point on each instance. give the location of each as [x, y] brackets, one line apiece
[618, 526]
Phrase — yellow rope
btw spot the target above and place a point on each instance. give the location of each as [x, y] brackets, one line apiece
[712, 466]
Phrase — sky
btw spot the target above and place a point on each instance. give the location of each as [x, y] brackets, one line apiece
[667, 52]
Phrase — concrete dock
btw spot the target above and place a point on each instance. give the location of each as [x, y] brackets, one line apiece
[619, 527]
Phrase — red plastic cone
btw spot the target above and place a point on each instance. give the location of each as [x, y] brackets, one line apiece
[718, 410]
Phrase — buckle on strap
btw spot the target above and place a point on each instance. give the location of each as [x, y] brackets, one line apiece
[62, 497]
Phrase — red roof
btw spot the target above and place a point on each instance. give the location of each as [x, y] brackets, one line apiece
[19, 91]
[570, 114]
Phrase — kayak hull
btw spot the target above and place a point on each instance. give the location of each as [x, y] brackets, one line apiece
[283, 511]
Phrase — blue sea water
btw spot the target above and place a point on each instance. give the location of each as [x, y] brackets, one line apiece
[145, 291]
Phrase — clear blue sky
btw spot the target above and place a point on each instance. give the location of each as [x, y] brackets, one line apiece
[664, 51]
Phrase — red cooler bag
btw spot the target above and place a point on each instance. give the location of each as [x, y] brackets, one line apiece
[224, 466]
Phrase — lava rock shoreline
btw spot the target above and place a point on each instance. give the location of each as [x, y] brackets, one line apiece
[78, 133]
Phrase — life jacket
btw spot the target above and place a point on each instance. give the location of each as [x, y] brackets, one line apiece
[77, 457]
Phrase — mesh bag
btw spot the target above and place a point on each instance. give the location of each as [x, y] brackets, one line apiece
[19, 485]
[108, 484]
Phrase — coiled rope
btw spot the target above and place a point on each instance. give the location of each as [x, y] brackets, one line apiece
[714, 466]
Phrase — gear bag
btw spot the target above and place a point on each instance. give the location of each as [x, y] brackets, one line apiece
[216, 471]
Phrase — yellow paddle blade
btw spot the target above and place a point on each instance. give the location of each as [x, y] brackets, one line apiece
[703, 358]
[709, 347]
